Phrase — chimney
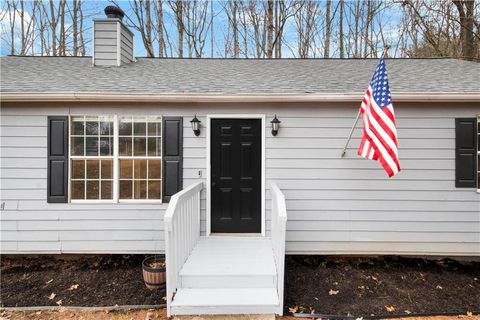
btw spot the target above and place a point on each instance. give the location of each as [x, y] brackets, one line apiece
[112, 40]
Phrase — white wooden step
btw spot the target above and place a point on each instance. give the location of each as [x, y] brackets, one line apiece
[225, 301]
[230, 263]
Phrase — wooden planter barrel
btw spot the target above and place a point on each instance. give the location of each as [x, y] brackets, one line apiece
[154, 278]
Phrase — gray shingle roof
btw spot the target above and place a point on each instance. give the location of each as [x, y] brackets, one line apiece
[215, 76]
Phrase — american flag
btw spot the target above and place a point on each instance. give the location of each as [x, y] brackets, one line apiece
[379, 140]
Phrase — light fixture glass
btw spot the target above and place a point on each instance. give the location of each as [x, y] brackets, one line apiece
[195, 125]
[275, 125]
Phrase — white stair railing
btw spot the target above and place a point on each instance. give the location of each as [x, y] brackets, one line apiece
[182, 232]
[278, 230]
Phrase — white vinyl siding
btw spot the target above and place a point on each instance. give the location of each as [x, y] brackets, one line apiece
[335, 206]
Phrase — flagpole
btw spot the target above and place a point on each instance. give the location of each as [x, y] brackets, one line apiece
[385, 49]
[350, 135]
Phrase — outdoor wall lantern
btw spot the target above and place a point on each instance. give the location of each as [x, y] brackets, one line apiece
[195, 125]
[275, 125]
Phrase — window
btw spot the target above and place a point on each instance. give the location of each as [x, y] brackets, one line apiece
[92, 158]
[140, 149]
[101, 173]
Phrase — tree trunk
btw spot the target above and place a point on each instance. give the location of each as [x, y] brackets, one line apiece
[270, 29]
[75, 28]
[161, 39]
[236, 48]
[180, 27]
[53, 27]
[328, 27]
[466, 12]
[83, 50]
[341, 36]
[61, 12]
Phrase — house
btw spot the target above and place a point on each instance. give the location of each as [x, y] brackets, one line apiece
[100, 155]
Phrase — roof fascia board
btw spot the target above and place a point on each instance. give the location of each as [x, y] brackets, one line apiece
[184, 98]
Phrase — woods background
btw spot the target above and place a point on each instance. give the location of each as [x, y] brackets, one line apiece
[252, 29]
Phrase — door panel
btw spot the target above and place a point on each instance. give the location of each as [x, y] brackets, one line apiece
[236, 159]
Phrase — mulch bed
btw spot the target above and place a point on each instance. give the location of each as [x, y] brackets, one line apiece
[328, 285]
[379, 286]
[102, 281]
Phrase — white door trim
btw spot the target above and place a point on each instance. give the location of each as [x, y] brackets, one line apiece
[235, 116]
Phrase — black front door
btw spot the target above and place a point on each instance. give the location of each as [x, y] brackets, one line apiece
[236, 160]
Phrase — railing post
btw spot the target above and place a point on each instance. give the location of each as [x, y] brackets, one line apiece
[182, 231]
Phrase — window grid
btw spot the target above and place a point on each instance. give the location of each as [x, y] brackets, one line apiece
[100, 178]
[114, 155]
[124, 156]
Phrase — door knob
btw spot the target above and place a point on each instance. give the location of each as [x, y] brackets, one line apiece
[213, 184]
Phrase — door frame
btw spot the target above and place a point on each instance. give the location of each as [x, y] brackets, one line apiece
[208, 164]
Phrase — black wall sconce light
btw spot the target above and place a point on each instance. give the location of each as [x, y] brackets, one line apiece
[275, 125]
[195, 125]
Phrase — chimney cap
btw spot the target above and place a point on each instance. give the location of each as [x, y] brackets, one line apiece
[114, 12]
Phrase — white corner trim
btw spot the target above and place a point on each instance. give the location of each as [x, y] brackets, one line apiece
[245, 98]
[119, 44]
[208, 165]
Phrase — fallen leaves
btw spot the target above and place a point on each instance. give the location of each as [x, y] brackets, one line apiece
[390, 309]
[59, 302]
[49, 281]
[52, 296]
[333, 292]
[73, 287]
[439, 287]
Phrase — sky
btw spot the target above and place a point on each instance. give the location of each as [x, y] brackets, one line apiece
[94, 9]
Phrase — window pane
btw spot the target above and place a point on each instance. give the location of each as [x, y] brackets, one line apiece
[154, 147]
[78, 169]
[91, 146]
[78, 190]
[92, 189]
[125, 146]
[155, 129]
[140, 169]
[125, 189]
[91, 128]
[93, 169]
[106, 146]
[77, 146]
[139, 147]
[153, 189]
[106, 128]
[126, 169]
[140, 189]
[107, 189]
[78, 128]
[154, 169]
[107, 169]
[125, 128]
[139, 129]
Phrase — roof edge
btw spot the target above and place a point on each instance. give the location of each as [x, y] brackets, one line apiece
[195, 98]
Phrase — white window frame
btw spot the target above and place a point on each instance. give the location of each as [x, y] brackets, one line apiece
[118, 158]
[116, 162]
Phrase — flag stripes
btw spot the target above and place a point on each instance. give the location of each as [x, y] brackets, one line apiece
[379, 140]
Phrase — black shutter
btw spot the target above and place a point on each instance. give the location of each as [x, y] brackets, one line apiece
[57, 181]
[465, 142]
[172, 156]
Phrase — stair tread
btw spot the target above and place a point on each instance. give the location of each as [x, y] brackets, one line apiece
[213, 256]
[217, 297]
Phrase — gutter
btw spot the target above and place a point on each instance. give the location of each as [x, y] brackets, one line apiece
[211, 98]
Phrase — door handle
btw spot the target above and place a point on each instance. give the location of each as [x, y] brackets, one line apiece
[213, 184]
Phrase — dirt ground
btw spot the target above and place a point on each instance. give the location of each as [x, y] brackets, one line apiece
[147, 315]
[327, 285]
[378, 286]
[88, 281]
